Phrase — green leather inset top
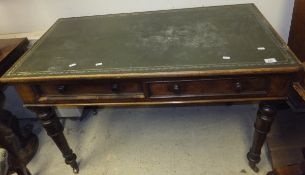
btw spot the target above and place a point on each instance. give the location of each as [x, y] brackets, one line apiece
[205, 38]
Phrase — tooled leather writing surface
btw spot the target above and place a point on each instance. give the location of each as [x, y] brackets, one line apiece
[207, 38]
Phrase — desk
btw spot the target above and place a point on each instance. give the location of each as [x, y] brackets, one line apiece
[174, 57]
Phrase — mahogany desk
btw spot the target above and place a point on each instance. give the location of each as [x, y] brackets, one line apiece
[187, 56]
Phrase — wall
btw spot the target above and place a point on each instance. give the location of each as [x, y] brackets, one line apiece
[36, 15]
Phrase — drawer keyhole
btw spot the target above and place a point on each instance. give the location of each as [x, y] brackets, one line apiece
[115, 88]
[238, 87]
[176, 89]
[61, 89]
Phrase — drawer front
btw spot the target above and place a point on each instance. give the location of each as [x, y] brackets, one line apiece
[208, 87]
[90, 90]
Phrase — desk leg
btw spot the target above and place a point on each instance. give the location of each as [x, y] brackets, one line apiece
[264, 119]
[54, 129]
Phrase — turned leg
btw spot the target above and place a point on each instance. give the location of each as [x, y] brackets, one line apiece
[265, 116]
[54, 129]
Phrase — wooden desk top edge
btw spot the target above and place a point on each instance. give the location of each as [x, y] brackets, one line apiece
[277, 70]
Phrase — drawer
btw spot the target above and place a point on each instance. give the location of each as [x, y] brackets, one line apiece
[208, 87]
[90, 90]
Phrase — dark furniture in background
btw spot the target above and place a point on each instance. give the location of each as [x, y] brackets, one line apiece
[296, 39]
[177, 57]
[297, 35]
[21, 145]
[287, 143]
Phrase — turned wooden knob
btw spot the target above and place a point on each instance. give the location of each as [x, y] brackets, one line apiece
[176, 89]
[61, 89]
[115, 88]
[238, 87]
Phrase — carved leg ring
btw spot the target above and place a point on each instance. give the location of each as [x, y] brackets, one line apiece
[265, 117]
[54, 129]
